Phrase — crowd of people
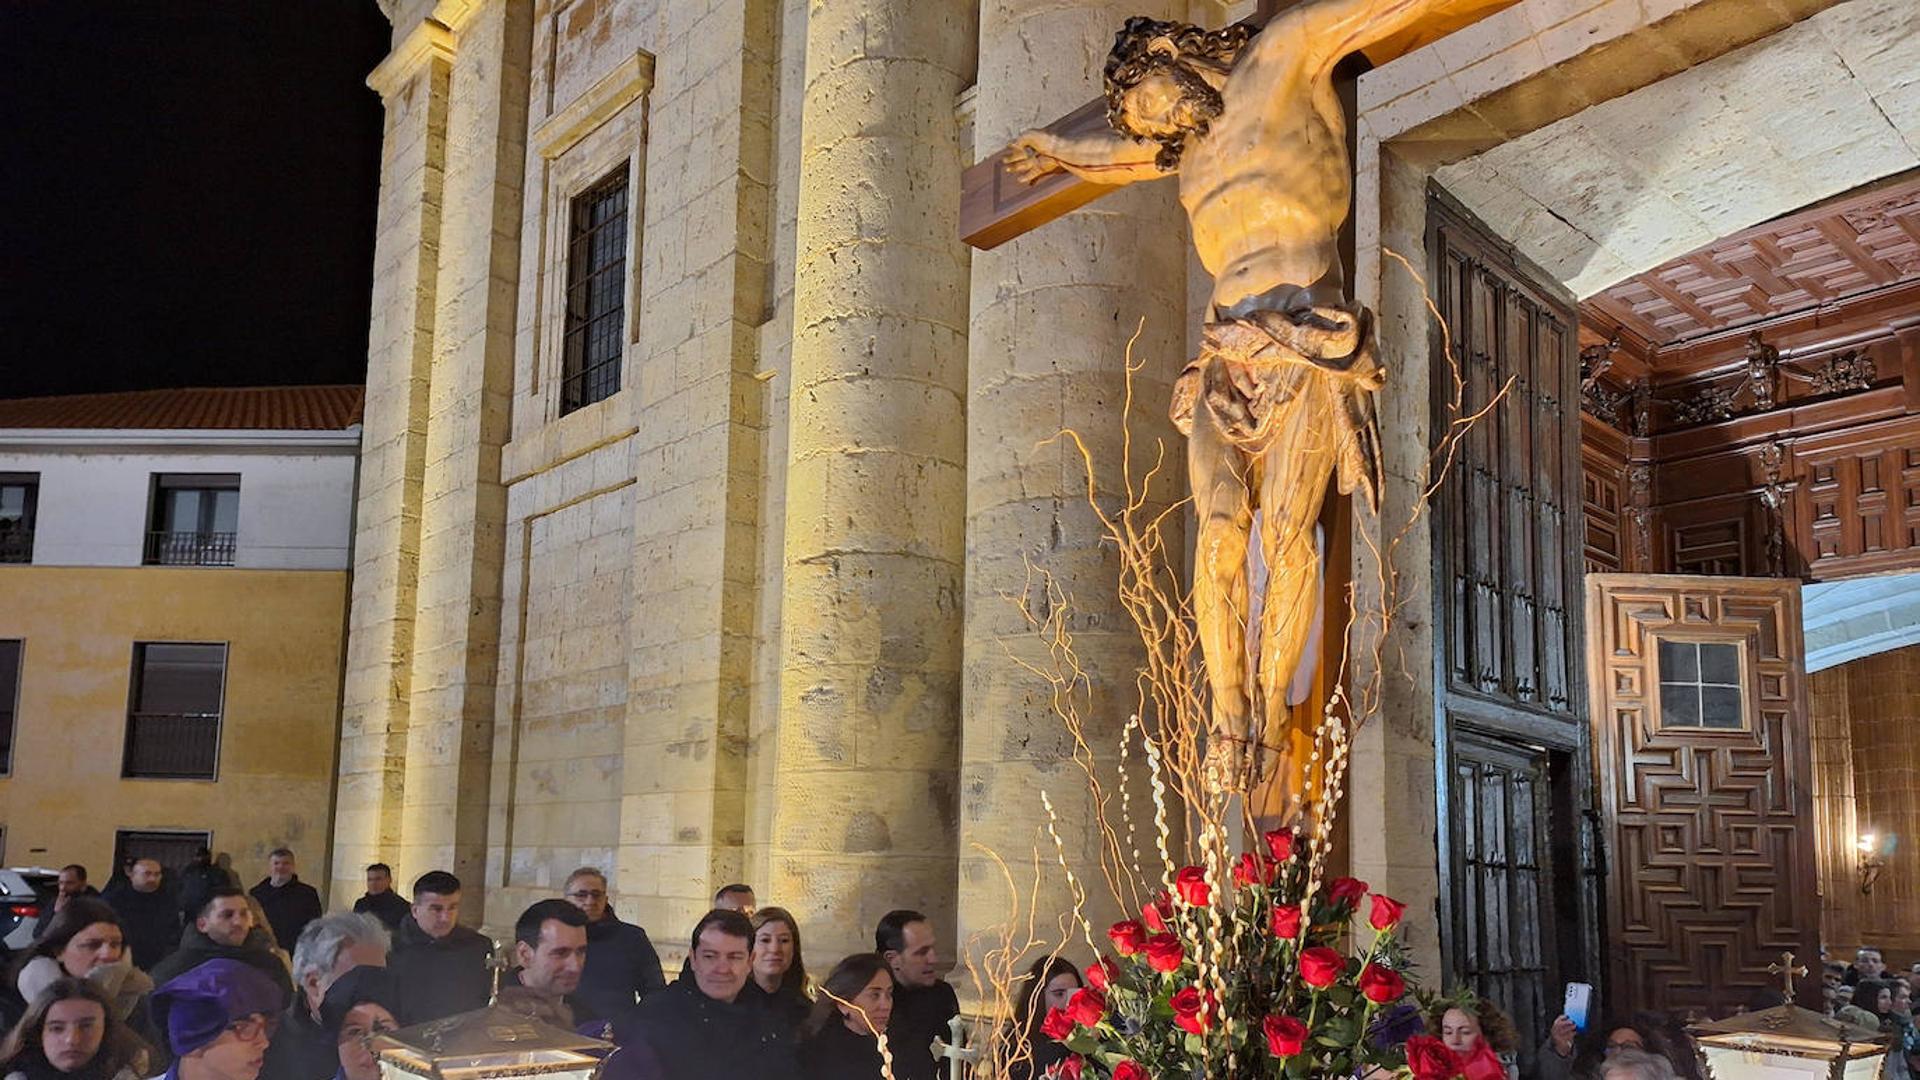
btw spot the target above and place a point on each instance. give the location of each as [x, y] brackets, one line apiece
[192, 980]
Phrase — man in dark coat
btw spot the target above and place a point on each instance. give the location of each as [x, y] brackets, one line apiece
[439, 967]
[697, 1027]
[329, 948]
[923, 1002]
[224, 930]
[290, 903]
[198, 881]
[149, 917]
[73, 882]
[623, 968]
[381, 901]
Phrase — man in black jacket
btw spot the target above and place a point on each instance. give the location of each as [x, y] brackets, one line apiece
[623, 968]
[290, 903]
[439, 967]
[73, 882]
[198, 881]
[149, 917]
[697, 1027]
[923, 1002]
[224, 930]
[329, 947]
[381, 901]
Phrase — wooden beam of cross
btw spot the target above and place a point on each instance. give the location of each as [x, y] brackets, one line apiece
[1787, 972]
[995, 206]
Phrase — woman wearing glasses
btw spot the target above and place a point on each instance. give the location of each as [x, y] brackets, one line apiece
[218, 1019]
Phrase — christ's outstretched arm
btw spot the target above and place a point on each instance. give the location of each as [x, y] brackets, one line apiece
[1099, 158]
[1333, 29]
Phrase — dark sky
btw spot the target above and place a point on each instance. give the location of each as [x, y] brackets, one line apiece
[187, 192]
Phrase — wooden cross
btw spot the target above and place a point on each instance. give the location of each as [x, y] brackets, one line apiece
[953, 1051]
[995, 206]
[1787, 972]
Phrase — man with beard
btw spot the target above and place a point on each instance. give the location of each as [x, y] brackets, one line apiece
[697, 1026]
[439, 967]
[623, 968]
[224, 929]
[1280, 400]
[72, 883]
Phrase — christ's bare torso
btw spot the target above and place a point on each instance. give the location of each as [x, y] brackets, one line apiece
[1267, 187]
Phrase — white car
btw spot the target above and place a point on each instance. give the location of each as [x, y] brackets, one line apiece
[24, 890]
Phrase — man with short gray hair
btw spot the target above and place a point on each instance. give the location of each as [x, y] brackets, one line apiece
[1636, 1065]
[623, 967]
[329, 947]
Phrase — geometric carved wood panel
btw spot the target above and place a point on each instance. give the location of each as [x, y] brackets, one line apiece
[1712, 841]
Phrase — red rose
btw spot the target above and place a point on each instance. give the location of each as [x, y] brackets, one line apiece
[1386, 913]
[1102, 973]
[1429, 1059]
[1068, 1068]
[1057, 1026]
[1286, 921]
[1129, 1069]
[1087, 1007]
[1164, 952]
[1192, 1010]
[1346, 890]
[1192, 883]
[1128, 936]
[1382, 985]
[1247, 870]
[1280, 845]
[1286, 1036]
[1157, 913]
[1320, 966]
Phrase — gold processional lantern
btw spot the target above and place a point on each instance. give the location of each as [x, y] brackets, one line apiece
[1787, 1042]
[489, 1042]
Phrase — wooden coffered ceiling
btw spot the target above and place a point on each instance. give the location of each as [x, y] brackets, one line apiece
[1859, 243]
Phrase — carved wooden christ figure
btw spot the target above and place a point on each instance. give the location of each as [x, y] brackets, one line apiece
[1280, 399]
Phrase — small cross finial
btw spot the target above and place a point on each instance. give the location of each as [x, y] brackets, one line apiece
[954, 1050]
[1787, 971]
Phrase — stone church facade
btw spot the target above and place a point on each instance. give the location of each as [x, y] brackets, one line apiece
[704, 464]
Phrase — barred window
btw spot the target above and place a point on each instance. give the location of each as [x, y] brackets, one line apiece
[173, 715]
[596, 293]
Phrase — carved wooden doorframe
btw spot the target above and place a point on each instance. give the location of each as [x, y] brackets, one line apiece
[1710, 828]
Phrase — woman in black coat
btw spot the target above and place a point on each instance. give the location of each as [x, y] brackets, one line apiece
[838, 1040]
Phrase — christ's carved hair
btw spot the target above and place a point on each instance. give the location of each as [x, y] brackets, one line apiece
[1146, 47]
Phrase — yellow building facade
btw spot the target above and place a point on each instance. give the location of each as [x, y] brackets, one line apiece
[173, 614]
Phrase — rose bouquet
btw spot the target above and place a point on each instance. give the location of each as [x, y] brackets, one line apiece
[1254, 978]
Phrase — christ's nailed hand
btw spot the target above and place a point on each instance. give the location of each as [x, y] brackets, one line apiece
[1031, 156]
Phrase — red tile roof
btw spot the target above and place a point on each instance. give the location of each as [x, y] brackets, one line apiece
[249, 408]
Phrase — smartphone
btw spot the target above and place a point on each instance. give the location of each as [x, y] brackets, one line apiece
[1579, 1001]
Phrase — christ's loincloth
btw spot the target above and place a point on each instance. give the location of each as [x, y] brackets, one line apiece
[1252, 367]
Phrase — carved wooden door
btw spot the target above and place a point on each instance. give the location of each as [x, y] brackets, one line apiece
[1705, 770]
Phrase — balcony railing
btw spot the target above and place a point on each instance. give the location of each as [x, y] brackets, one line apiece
[172, 746]
[16, 544]
[189, 549]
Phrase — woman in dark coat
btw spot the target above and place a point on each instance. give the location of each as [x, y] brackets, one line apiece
[778, 979]
[838, 1040]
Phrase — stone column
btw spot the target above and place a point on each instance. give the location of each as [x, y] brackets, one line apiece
[463, 506]
[412, 82]
[876, 484]
[1051, 315]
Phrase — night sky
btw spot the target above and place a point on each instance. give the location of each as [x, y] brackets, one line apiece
[187, 192]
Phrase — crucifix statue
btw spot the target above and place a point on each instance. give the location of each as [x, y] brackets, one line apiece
[1280, 401]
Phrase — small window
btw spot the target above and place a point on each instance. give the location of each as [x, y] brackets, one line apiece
[19, 493]
[9, 700]
[596, 311]
[196, 517]
[1700, 686]
[173, 722]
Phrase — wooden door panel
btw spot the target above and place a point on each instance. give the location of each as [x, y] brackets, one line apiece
[1713, 876]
